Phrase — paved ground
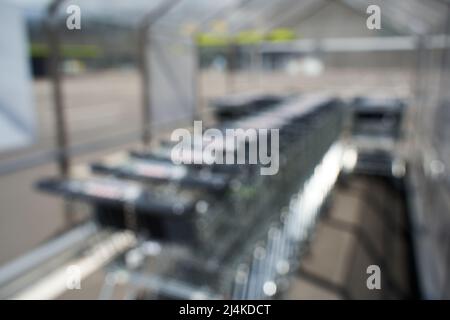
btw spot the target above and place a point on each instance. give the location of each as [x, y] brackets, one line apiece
[365, 225]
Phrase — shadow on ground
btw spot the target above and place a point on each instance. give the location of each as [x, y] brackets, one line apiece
[366, 224]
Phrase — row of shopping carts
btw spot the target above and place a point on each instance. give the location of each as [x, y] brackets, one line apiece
[221, 229]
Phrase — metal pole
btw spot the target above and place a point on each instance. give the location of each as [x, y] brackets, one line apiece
[419, 92]
[197, 108]
[39, 256]
[443, 96]
[231, 68]
[145, 80]
[61, 139]
[257, 66]
[143, 42]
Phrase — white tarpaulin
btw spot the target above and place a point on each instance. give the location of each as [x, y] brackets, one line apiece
[17, 118]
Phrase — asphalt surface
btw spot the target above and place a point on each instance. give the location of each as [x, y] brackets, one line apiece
[365, 225]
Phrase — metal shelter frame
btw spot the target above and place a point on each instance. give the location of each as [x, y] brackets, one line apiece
[400, 16]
